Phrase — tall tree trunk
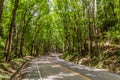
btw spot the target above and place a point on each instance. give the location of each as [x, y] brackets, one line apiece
[31, 50]
[106, 18]
[21, 45]
[22, 34]
[95, 25]
[89, 29]
[9, 42]
[119, 15]
[18, 33]
[1, 10]
[16, 42]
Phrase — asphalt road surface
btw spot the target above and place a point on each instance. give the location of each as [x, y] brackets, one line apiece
[53, 68]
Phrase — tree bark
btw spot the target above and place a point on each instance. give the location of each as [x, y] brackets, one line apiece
[1, 10]
[95, 26]
[25, 24]
[89, 29]
[9, 42]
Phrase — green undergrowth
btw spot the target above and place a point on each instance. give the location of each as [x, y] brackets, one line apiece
[108, 58]
[69, 56]
[7, 69]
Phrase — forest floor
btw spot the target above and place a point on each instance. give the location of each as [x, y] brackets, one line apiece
[7, 69]
[109, 59]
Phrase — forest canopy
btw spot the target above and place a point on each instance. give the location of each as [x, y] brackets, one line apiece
[76, 28]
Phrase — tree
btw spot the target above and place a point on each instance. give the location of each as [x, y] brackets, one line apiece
[78, 28]
[1, 10]
[9, 41]
[89, 29]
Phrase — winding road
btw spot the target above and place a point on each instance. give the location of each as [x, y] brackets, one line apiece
[53, 68]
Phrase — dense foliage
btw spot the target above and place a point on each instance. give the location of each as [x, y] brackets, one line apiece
[74, 27]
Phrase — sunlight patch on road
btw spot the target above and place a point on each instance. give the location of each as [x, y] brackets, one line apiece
[30, 79]
[88, 74]
[67, 74]
[56, 66]
[43, 62]
[87, 68]
[61, 75]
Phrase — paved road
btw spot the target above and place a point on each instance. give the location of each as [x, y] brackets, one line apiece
[53, 68]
